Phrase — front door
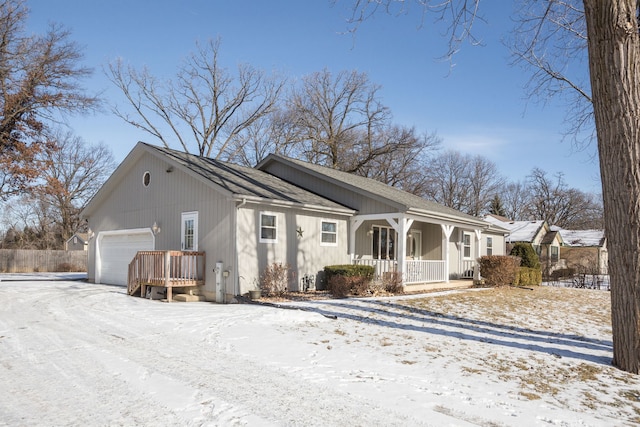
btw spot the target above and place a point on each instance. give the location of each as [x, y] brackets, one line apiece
[189, 231]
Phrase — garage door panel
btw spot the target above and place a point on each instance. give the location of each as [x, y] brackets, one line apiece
[117, 251]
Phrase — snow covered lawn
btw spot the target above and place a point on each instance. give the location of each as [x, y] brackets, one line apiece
[73, 353]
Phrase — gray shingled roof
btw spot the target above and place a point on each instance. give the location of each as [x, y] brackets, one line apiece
[376, 189]
[245, 181]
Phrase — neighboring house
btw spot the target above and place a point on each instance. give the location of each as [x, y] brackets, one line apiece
[283, 211]
[539, 234]
[585, 251]
[77, 242]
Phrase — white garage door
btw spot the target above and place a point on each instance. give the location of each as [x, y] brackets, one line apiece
[116, 251]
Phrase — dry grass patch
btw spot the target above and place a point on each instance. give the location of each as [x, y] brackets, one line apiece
[558, 313]
[542, 307]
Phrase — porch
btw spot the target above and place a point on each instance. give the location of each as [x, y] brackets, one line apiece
[417, 271]
[166, 269]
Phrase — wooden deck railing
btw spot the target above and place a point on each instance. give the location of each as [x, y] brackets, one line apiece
[169, 269]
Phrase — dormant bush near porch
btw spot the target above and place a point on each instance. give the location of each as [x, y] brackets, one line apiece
[498, 270]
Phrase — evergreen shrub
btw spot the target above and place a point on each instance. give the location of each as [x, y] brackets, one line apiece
[344, 280]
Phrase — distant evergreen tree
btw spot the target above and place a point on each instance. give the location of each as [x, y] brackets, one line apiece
[496, 207]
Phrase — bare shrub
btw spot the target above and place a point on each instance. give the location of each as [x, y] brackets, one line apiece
[66, 267]
[498, 270]
[339, 286]
[342, 286]
[275, 278]
[393, 283]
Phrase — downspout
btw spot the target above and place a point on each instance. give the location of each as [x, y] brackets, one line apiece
[236, 272]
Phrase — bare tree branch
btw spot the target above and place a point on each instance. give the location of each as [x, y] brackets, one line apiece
[205, 105]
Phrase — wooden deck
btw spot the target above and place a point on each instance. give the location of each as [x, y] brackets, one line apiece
[167, 269]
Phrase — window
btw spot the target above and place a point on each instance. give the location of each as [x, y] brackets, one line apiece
[146, 178]
[268, 228]
[466, 245]
[329, 233]
[489, 245]
[383, 242]
[554, 254]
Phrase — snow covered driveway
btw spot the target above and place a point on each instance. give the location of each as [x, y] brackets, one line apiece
[73, 353]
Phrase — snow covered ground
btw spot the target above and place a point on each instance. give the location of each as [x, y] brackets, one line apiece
[73, 353]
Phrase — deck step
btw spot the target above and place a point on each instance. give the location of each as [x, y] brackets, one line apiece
[188, 298]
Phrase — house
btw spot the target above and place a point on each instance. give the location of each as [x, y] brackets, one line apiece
[77, 242]
[585, 251]
[239, 220]
[545, 240]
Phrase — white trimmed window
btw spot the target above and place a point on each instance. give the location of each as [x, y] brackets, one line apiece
[268, 227]
[466, 245]
[489, 245]
[329, 233]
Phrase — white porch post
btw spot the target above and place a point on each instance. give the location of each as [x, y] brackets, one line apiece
[476, 267]
[402, 228]
[354, 223]
[446, 234]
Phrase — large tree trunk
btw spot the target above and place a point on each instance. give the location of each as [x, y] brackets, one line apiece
[614, 63]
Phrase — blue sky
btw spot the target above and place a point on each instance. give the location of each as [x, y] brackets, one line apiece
[478, 107]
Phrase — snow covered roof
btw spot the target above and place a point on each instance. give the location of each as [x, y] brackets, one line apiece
[583, 237]
[520, 231]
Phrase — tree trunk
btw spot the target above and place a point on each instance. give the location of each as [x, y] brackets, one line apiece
[614, 64]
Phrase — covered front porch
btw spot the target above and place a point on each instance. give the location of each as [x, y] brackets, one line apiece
[417, 249]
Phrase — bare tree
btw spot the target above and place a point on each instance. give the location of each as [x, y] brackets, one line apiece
[550, 43]
[205, 105]
[343, 124]
[553, 201]
[613, 42]
[39, 79]
[72, 173]
[463, 182]
[484, 183]
[448, 179]
[272, 133]
[403, 168]
[515, 198]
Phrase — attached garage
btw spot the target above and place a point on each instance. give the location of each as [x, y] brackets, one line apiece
[116, 249]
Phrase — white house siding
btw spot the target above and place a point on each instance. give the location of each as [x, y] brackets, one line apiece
[132, 206]
[304, 254]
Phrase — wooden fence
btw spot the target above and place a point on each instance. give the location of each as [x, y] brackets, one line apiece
[30, 261]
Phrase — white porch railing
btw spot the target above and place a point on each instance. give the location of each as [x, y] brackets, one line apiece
[467, 268]
[415, 271]
[380, 266]
[424, 272]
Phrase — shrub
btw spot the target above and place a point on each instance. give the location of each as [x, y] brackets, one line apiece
[342, 286]
[339, 286]
[528, 276]
[274, 280]
[343, 280]
[499, 270]
[348, 270]
[527, 254]
[392, 283]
